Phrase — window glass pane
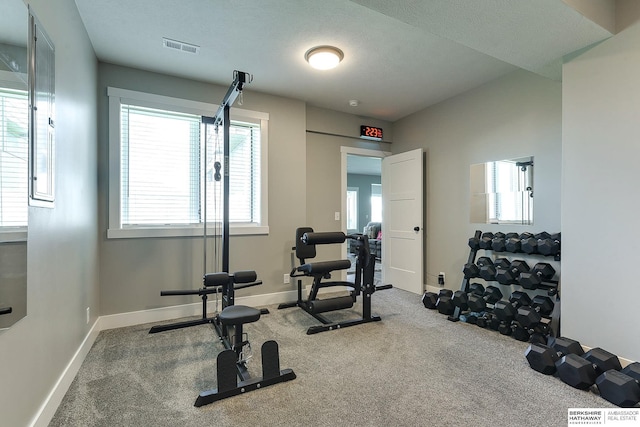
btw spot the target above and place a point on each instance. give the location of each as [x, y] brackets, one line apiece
[505, 199]
[376, 202]
[160, 166]
[352, 209]
[244, 173]
[14, 125]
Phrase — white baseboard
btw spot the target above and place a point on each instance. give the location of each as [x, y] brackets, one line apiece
[51, 403]
[435, 289]
[48, 409]
[132, 318]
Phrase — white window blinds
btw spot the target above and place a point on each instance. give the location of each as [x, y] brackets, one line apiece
[14, 125]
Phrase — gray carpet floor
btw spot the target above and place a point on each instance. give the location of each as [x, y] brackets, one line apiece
[414, 368]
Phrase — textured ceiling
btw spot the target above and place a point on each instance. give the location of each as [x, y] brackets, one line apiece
[400, 56]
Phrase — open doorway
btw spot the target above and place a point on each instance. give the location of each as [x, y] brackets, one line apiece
[362, 198]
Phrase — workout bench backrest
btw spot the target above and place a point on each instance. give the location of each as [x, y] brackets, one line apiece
[304, 251]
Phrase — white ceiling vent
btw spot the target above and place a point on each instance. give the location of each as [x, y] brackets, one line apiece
[181, 46]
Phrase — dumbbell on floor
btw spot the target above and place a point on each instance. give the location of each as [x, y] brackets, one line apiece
[444, 305]
[431, 299]
[543, 357]
[621, 388]
[581, 372]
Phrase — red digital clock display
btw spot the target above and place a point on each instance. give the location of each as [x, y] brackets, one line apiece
[371, 132]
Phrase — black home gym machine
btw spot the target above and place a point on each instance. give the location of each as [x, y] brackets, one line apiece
[306, 241]
[228, 323]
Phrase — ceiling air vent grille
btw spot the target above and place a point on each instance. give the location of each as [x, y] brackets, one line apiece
[181, 46]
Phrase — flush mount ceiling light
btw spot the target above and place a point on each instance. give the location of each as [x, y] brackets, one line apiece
[324, 57]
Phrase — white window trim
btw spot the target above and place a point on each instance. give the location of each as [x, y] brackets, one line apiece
[115, 229]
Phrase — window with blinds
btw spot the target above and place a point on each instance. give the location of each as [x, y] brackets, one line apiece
[14, 132]
[508, 197]
[161, 164]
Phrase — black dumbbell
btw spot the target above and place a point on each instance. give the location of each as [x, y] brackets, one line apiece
[459, 299]
[485, 241]
[509, 276]
[543, 357]
[476, 288]
[541, 272]
[529, 245]
[514, 244]
[478, 303]
[531, 315]
[474, 243]
[444, 305]
[471, 270]
[429, 299]
[470, 317]
[506, 311]
[488, 269]
[498, 242]
[549, 245]
[488, 320]
[581, 372]
[462, 299]
[621, 388]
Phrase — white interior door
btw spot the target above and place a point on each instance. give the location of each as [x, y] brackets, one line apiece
[402, 234]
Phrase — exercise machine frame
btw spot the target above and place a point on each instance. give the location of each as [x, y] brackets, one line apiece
[226, 284]
[363, 283]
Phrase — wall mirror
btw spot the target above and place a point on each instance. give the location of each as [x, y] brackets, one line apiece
[502, 192]
[14, 162]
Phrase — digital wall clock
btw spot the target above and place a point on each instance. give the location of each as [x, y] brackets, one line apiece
[371, 132]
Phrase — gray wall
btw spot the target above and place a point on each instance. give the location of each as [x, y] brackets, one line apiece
[600, 200]
[62, 250]
[134, 271]
[515, 116]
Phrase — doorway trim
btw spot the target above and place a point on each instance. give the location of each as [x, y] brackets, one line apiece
[344, 151]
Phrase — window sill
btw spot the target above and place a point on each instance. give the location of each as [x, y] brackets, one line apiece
[153, 232]
[15, 236]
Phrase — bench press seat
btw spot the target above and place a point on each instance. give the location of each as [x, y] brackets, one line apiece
[324, 267]
[238, 315]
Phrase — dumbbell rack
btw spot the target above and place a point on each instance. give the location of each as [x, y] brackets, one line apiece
[551, 286]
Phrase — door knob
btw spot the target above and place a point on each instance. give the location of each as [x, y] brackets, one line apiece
[416, 228]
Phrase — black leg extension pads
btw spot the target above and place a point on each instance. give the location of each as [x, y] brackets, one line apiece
[227, 381]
